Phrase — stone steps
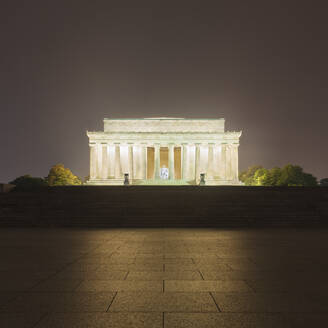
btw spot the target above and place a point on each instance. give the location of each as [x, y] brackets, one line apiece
[151, 206]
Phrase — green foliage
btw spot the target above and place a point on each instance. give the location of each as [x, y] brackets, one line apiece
[289, 175]
[27, 182]
[61, 176]
[248, 176]
[259, 176]
[324, 182]
[293, 175]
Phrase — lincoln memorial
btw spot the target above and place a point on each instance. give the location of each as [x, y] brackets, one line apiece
[163, 151]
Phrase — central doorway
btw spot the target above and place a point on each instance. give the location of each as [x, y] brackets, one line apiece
[163, 161]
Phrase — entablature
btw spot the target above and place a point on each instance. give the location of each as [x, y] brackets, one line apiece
[167, 138]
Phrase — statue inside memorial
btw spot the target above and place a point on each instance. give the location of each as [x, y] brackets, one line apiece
[164, 173]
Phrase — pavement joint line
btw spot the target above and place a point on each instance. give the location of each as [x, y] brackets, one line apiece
[54, 274]
[10, 300]
[247, 283]
[63, 268]
[163, 285]
[163, 319]
[74, 289]
[111, 302]
[42, 316]
[215, 302]
[126, 275]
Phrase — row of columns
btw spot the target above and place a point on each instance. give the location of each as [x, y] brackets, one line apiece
[103, 166]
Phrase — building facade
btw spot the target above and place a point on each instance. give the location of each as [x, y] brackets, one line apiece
[163, 151]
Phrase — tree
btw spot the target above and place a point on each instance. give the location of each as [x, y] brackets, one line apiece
[272, 176]
[289, 175]
[293, 175]
[248, 176]
[324, 182]
[27, 182]
[260, 176]
[61, 176]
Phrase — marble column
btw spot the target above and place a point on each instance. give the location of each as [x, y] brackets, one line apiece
[171, 162]
[99, 160]
[235, 162]
[111, 161]
[216, 161]
[184, 164]
[118, 170]
[144, 161]
[223, 173]
[104, 168]
[210, 162]
[228, 162]
[93, 161]
[130, 160]
[197, 162]
[157, 161]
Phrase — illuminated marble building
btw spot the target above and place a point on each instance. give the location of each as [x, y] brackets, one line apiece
[147, 149]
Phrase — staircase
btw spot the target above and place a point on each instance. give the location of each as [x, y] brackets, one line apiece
[166, 206]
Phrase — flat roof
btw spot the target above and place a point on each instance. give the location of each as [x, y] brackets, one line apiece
[164, 118]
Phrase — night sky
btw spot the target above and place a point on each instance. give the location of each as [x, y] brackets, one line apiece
[65, 65]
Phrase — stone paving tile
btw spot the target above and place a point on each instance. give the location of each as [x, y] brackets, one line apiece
[305, 320]
[82, 267]
[92, 275]
[163, 302]
[182, 267]
[285, 285]
[6, 297]
[153, 250]
[60, 302]
[97, 254]
[17, 284]
[224, 320]
[269, 302]
[120, 285]
[180, 255]
[172, 275]
[25, 275]
[141, 256]
[107, 261]
[214, 267]
[33, 267]
[206, 286]
[239, 275]
[57, 285]
[166, 261]
[265, 266]
[219, 261]
[102, 320]
[199, 249]
[131, 267]
[19, 320]
[277, 274]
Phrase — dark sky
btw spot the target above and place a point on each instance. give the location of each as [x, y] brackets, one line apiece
[65, 65]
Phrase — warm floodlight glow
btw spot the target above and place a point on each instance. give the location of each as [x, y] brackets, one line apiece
[141, 148]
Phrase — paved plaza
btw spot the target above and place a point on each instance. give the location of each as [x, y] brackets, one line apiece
[172, 278]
